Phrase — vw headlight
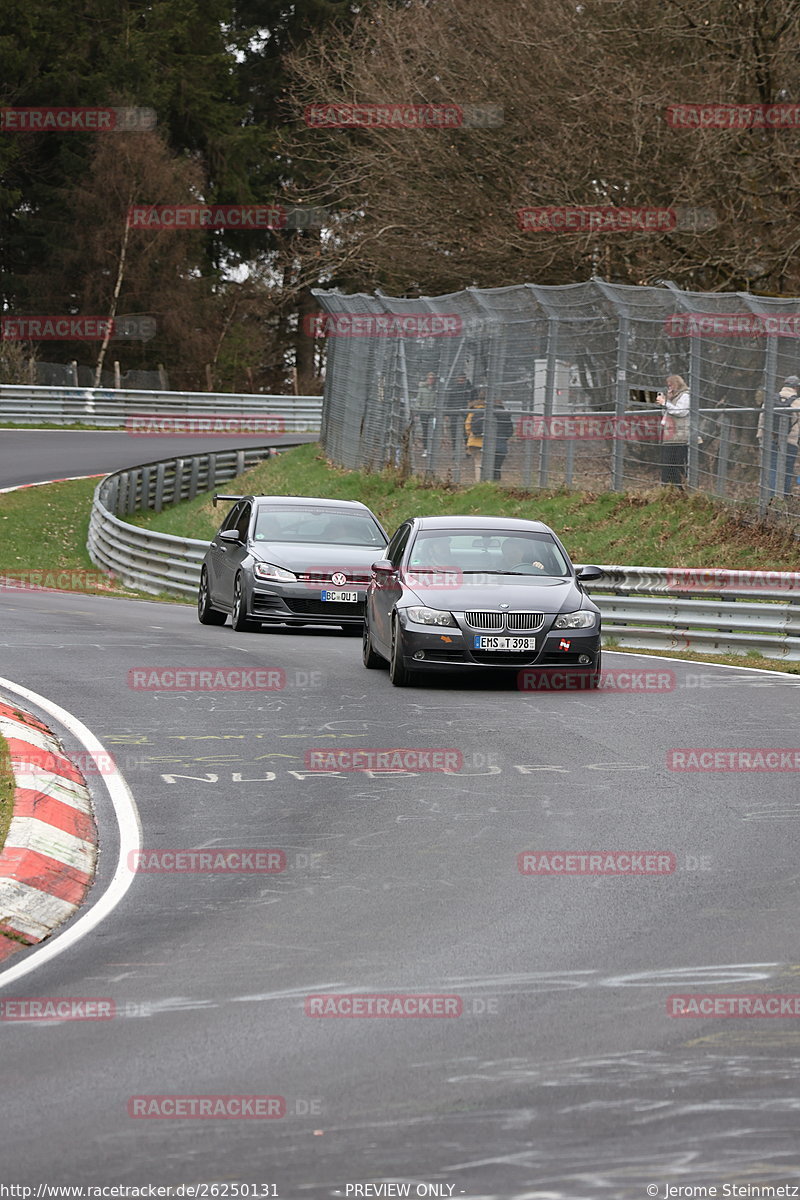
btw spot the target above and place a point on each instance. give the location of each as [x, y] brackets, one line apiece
[263, 570]
[581, 619]
[430, 616]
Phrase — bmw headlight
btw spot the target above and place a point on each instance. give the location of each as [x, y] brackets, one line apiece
[581, 619]
[430, 616]
[263, 570]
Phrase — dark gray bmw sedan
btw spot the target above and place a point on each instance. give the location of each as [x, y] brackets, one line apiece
[292, 560]
[457, 593]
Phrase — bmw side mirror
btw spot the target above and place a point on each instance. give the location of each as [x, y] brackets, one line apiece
[588, 574]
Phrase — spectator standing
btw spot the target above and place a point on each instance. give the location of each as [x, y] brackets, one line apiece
[473, 428]
[503, 433]
[459, 398]
[674, 430]
[425, 407]
[785, 429]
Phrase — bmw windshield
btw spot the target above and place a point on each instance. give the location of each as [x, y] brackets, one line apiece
[477, 553]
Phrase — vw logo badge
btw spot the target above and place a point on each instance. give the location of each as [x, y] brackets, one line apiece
[338, 578]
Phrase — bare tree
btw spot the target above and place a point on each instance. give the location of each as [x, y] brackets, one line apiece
[584, 87]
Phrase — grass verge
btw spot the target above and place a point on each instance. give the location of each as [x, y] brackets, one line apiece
[751, 659]
[6, 790]
[45, 529]
[646, 529]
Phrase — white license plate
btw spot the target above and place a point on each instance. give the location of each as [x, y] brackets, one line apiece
[483, 642]
[341, 597]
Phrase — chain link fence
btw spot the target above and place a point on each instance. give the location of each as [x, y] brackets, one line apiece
[577, 369]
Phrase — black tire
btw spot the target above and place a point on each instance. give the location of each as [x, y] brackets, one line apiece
[594, 678]
[399, 673]
[207, 615]
[369, 655]
[239, 619]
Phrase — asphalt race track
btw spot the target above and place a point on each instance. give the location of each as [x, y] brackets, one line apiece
[563, 1076]
[33, 456]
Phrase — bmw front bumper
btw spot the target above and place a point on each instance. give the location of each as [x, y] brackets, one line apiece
[450, 648]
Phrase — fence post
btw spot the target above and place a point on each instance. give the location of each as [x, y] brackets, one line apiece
[194, 473]
[770, 371]
[158, 499]
[722, 453]
[694, 404]
[146, 478]
[621, 399]
[549, 398]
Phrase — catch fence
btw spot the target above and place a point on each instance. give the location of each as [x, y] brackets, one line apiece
[578, 369]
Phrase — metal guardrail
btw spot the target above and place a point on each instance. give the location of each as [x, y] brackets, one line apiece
[656, 608]
[643, 607]
[109, 407]
[144, 559]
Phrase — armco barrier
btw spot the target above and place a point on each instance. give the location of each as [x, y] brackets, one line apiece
[107, 407]
[713, 610]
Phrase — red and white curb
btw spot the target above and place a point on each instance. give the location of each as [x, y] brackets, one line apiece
[48, 861]
[20, 487]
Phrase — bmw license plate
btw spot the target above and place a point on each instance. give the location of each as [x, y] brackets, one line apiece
[341, 597]
[482, 642]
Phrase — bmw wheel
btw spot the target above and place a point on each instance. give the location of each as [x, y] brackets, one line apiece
[398, 671]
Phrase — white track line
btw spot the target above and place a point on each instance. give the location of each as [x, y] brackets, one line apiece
[695, 662]
[130, 839]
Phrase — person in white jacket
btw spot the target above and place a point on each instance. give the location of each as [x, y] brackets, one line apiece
[674, 430]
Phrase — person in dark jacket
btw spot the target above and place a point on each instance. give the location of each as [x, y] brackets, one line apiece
[458, 400]
[786, 429]
[503, 433]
